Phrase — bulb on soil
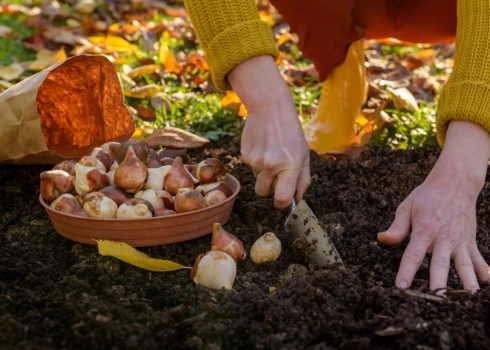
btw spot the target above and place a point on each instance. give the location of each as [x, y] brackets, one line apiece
[226, 242]
[267, 248]
[214, 270]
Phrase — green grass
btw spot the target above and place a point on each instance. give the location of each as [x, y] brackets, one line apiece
[13, 50]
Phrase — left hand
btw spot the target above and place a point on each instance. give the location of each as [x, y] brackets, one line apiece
[442, 213]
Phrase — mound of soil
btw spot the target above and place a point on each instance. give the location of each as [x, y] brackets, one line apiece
[55, 293]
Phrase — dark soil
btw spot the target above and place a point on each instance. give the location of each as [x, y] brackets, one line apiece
[55, 293]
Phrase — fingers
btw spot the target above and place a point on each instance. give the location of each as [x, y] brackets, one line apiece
[481, 267]
[263, 183]
[399, 228]
[464, 267]
[411, 260]
[285, 188]
[439, 265]
[303, 183]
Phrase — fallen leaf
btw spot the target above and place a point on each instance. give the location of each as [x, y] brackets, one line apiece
[62, 36]
[161, 100]
[232, 102]
[5, 84]
[111, 44]
[143, 92]
[168, 59]
[130, 255]
[12, 72]
[403, 99]
[175, 138]
[199, 62]
[4, 31]
[284, 38]
[85, 7]
[46, 58]
[35, 42]
[145, 113]
[391, 330]
[142, 70]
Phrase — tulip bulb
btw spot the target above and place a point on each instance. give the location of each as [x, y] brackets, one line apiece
[131, 174]
[103, 156]
[93, 162]
[188, 199]
[214, 197]
[153, 160]
[81, 212]
[96, 205]
[135, 208]
[54, 183]
[226, 242]
[66, 203]
[178, 177]
[115, 193]
[89, 179]
[66, 165]
[152, 197]
[156, 177]
[215, 186]
[209, 170]
[171, 153]
[114, 166]
[110, 175]
[111, 147]
[214, 270]
[266, 248]
[166, 161]
[164, 212]
[141, 150]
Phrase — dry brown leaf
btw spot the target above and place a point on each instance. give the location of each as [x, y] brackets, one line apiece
[143, 92]
[35, 42]
[161, 100]
[12, 72]
[175, 138]
[403, 99]
[145, 113]
[46, 58]
[199, 62]
[62, 36]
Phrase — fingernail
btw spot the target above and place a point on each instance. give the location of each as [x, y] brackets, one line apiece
[403, 285]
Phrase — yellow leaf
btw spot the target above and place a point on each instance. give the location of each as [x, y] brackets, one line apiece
[362, 120]
[111, 44]
[266, 16]
[143, 92]
[242, 111]
[168, 59]
[139, 134]
[143, 70]
[11, 72]
[128, 254]
[46, 58]
[284, 38]
[230, 98]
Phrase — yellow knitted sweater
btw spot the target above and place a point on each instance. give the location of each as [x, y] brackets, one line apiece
[230, 32]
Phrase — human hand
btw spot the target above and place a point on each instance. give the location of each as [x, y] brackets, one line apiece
[273, 143]
[442, 213]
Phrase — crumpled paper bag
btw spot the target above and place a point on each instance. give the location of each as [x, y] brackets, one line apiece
[63, 111]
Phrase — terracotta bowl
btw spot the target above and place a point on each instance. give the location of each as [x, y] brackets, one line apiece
[148, 231]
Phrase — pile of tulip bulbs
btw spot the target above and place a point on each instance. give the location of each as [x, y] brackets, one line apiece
[130, 181]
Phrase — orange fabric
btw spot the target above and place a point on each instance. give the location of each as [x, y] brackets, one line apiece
[326, 28]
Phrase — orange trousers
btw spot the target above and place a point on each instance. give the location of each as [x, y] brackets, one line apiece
[327, 28]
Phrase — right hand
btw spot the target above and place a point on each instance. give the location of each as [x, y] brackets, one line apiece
[273, 143]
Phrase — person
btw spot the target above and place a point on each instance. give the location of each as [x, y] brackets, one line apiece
[441, 212]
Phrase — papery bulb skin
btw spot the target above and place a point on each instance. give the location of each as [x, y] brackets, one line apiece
[111, 147]
[66, 203]
[90, 179]
[226, 242]
[152, 197]
[214, 270]
[153, 160]
[131, 174]
[209, 170]
[187, 200]
[178, 177]
[168, 199]
[54, 183]
[135, 208]
[103, 156]
[115, 193]
[92, 162]
[66, 165]
[266, 249]
[114, 166]
[166, 161]
[164, 212]
[156, 176]
[140, 148]
[81, 212]
[96, 205]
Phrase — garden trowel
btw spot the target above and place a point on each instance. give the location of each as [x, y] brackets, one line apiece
[303, 228]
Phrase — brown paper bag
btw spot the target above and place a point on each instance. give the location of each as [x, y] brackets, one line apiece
[63, 112]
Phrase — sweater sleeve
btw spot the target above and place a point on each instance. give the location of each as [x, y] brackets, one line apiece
[230, 32]
[467, 94]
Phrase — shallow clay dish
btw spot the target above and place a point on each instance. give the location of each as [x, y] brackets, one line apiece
[148, 231]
